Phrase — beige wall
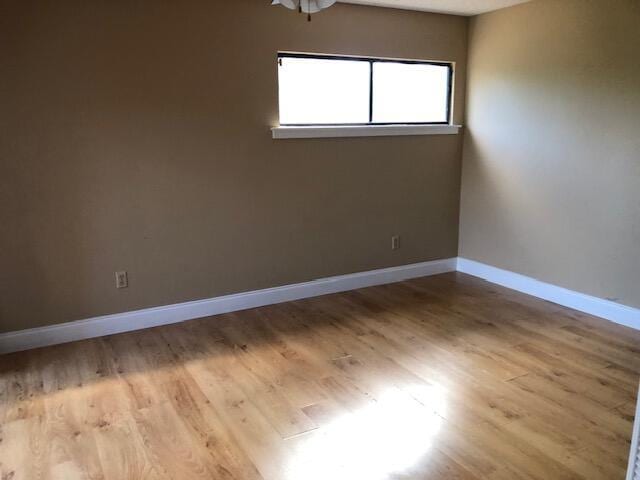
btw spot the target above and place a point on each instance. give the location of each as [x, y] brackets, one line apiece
[134, 136]
[551, 170]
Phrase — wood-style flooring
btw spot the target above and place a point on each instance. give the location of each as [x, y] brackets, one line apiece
[445, 377]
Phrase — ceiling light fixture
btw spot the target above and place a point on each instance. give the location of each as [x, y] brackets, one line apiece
[305, 6]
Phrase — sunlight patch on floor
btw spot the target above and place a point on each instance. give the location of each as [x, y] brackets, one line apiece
[388, 436]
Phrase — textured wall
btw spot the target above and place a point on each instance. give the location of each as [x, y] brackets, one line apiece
[551, 169]
[135, 136]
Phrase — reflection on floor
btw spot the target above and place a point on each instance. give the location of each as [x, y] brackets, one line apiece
[387, 436]
[445, 377]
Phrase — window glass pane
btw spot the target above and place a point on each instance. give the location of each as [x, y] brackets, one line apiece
[323, 91]
[404, 93]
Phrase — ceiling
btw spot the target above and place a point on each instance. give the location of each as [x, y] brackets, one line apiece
[455, 7]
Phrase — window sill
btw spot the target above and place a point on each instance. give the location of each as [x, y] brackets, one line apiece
[334, 131]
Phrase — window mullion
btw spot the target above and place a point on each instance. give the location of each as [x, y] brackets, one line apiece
[371, 91]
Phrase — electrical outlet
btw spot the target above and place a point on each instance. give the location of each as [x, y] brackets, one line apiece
[122, 280]
[395, 242]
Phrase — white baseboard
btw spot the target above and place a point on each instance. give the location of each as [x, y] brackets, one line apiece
[599, 307]
[165, 315]
[156, 316]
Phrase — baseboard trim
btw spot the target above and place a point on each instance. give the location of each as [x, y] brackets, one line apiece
[615, 312]
[180, 312]
[165, 315]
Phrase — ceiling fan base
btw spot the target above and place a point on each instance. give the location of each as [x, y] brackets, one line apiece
[305, 6]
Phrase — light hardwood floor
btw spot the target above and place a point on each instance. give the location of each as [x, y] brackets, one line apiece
[446, 377]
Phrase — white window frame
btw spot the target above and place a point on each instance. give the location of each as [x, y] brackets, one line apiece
[370, 128]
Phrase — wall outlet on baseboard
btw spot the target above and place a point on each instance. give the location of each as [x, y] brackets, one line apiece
[395, 242]
[122, 279]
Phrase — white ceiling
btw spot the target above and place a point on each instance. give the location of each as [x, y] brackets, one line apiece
[455, 7]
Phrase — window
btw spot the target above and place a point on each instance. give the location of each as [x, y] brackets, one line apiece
[329, 90]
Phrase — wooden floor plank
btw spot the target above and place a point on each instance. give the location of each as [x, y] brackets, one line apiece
[443, 377]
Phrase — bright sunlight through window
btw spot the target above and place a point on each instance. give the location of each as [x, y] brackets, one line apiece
[326, 90]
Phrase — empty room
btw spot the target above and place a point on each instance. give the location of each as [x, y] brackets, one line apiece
[319, 239]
